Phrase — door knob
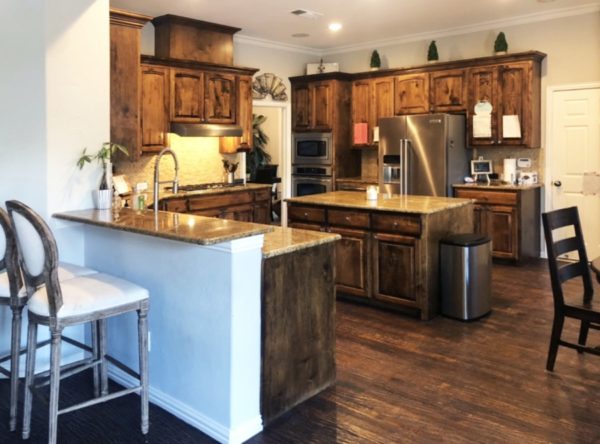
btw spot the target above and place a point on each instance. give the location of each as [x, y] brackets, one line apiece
[557, 183]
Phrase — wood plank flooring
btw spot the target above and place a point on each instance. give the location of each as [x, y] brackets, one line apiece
[401, 380]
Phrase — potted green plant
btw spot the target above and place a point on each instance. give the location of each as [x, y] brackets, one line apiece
[375, 61]
[258, 156]
[432, 53]
[103, 195]
[500, 45]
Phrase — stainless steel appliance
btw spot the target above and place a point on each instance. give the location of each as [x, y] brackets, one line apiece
[422, 154]
[311, 179]
[312, 148]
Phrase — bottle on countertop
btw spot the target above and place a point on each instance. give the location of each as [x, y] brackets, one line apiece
[139, 198]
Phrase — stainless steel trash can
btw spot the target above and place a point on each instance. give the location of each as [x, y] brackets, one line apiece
[466, 275]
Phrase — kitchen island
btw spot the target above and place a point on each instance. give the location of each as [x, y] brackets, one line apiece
[389, 252]
[224, 353]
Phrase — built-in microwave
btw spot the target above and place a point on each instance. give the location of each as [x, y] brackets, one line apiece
[312, 148]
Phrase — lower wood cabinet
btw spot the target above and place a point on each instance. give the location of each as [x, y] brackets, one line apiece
[385, 258]
[243, 205]
[511, 217]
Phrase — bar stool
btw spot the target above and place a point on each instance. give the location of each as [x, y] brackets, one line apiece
[14, 295]
[57, 305]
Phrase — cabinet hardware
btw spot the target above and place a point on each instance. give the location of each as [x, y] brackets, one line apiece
[557, 183]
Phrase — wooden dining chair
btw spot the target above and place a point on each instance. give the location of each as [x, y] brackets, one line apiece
[14, 295]
[582, 306]
[55, 304]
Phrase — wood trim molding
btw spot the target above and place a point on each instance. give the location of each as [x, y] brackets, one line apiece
[200, 24]
[126, 18]
[191, 64]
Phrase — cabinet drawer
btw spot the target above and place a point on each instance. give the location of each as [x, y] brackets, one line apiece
[489, 197]
[219, 200]
[348, 218]
[306, 214]
[262, 195]
[175, 205]
[397, 223]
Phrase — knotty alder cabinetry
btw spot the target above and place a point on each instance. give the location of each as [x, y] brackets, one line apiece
[252, 205]
[385, 258]
[372, 99]
[511, 217]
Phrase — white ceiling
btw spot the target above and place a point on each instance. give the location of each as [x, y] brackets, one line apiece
[364, 21]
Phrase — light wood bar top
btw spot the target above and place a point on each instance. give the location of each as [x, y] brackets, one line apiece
[394, 203]
[174, 226]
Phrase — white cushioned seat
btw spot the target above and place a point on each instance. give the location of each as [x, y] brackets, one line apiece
[65, 271]
[89, 294]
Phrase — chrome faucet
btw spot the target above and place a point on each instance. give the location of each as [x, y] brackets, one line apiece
[157, 182]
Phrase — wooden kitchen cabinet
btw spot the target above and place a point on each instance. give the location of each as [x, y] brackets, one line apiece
[511, 217]
[513, 89]
[411, 94]
[187, 92]
[229, 145]
[371, 100]
[154, 109]
[448, 91]
[352, 261]
[219, 98]
[312, 106]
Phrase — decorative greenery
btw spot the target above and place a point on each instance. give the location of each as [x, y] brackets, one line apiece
[258, 156]
[432, 52]
[500, 45]
[375, 60]
[103, 156]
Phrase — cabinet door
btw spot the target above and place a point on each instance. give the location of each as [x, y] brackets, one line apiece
[229, 145]
[219, 98]
[480, 219]
[186, 95]
[448, 91]
[482, 87]
[513, 99]
[382, 99]
[154, 108]
[361, 100]
[394, 268]
[244, 213]
[411, 94]
[322, 106]
[352, 262]
[301, 107]
[262, 213]
[503, 229]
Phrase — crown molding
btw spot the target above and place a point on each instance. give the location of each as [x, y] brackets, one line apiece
[483, 26]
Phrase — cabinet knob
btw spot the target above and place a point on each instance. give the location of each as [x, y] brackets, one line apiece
[347, 218]
[557, 183]
[305, 215]
[499, 141]
[493, 142]
[395, 224]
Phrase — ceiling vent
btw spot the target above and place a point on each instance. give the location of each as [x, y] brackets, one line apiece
[306, 13]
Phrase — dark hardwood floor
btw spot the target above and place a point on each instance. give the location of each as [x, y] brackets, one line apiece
[401, 380]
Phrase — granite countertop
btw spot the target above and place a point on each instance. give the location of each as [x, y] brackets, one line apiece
[287, 240]
[505, 186]
[220, 190]
[394, 203]
[174, 226]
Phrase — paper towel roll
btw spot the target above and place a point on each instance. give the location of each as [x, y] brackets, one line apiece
[510, 170]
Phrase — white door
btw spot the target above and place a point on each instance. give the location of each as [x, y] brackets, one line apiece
[575, 158]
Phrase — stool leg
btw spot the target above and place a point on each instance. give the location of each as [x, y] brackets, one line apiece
[103, 363]
[15, 346]
[143, 351]
[54, 384]
[95, 356]
[29, 371]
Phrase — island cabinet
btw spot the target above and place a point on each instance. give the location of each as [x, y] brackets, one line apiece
[371, 99]
[243, 205]
[510, 216]
[385, 258]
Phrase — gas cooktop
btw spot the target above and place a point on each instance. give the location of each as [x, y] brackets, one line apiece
[205, 186]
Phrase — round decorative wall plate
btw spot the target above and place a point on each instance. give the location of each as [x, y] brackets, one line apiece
[266, 84]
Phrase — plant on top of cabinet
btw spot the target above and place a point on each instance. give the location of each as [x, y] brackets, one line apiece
[500, 45]
[432, 52]
[375, 61]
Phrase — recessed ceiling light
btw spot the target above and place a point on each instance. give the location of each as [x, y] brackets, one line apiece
[300, 35]
[335, 26]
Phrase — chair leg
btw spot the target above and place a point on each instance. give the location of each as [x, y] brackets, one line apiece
[29, 372]
[583, 333]
[557, 327]
[143, 352]
[103, 362]
[95, 356]
[15, 346]
[54, 384]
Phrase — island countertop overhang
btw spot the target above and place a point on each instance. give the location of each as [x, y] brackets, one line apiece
[394, 203]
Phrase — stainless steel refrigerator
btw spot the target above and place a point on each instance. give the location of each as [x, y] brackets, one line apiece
[422, 154]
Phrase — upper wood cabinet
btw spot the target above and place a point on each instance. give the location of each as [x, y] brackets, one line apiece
[187, 93]
[154, 108]
[448, 91]
[372, 99]
[219, 98]
[411, 94]
[513, 89]
[312, 106]
[229, 145]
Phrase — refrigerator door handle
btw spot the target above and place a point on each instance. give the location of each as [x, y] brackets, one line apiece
[401, 172]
